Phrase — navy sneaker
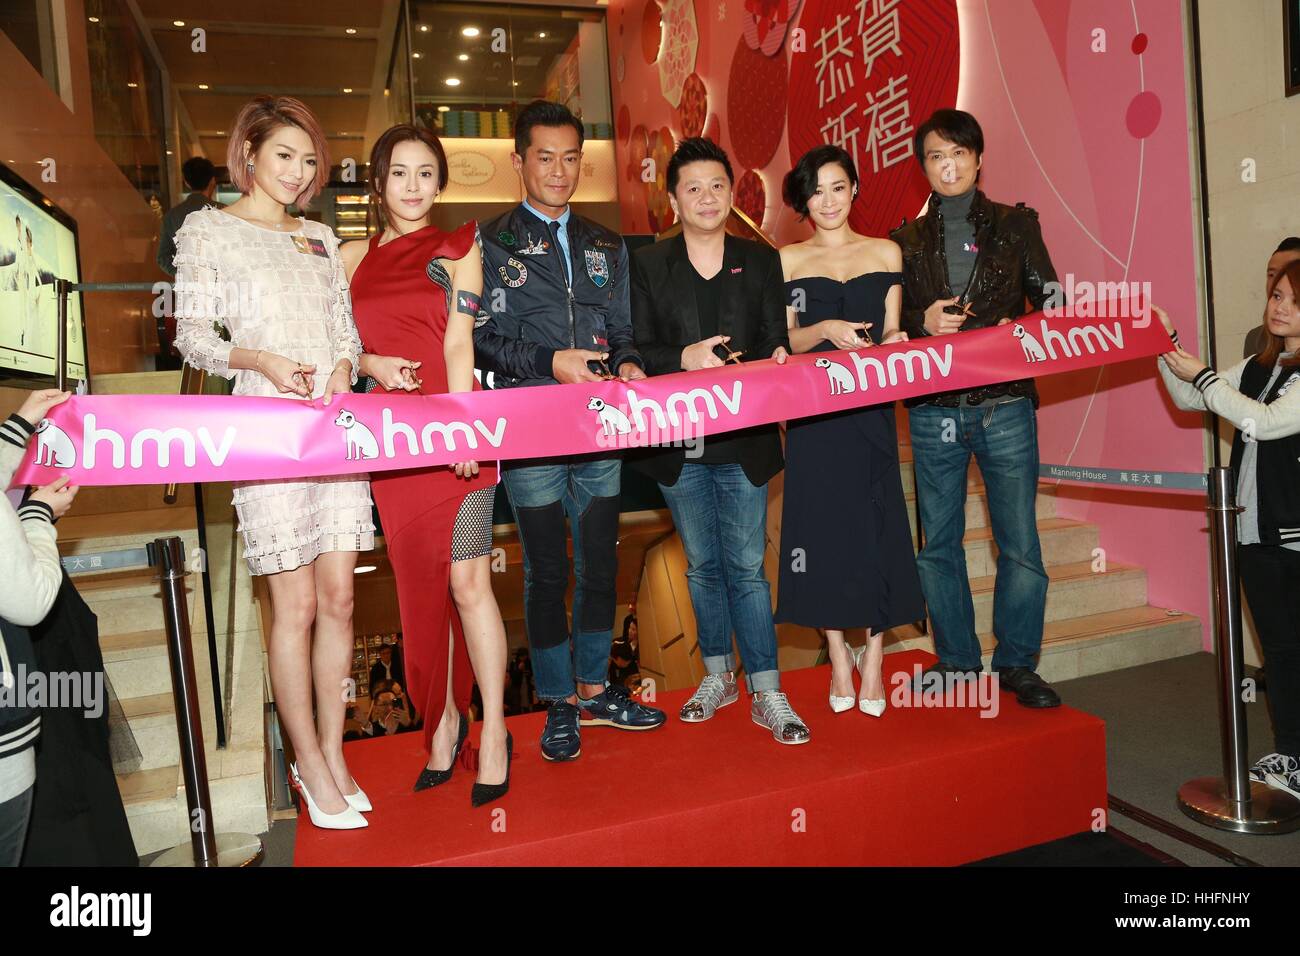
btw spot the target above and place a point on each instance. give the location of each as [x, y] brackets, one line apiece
[616, 708]
[560, 735]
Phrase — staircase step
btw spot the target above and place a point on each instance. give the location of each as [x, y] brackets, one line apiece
[1091, 643]
[1073, 589]
[132, 605]
[116, 499]
[136, 383]
[92, 533]
[145, 786]
[1063, 541]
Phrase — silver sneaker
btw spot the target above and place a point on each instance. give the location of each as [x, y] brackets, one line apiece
[771, 709]
[716, 690]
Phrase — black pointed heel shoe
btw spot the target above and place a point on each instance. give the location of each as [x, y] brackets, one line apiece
[432, 778]
[482, 793]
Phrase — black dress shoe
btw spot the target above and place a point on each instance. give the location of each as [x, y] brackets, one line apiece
[1030, 689]
[482, 793]
[432, 778]
[943, 669]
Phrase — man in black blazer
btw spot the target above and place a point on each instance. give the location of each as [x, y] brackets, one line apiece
[699, 300]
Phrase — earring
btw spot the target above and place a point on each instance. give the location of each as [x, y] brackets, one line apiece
[250, 165]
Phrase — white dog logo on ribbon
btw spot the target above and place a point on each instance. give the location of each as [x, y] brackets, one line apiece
[53, 446]
[1033, 348]
[612, 420]
[360, 439]
[841, 379]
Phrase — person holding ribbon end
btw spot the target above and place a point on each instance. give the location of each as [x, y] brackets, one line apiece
[415, 292]
[1261, 397]
[699, 300]
[278, 286]
[846, 547]
[555, 310]
[970, 263]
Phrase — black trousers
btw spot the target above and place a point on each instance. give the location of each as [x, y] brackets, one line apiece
[1270, 578]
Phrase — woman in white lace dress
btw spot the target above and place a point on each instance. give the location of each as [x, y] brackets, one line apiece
[277, 284]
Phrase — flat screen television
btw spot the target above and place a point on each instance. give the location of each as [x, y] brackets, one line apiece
[38, 242]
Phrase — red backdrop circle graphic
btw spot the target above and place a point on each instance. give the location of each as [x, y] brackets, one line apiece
[756, 101]
[751, 196]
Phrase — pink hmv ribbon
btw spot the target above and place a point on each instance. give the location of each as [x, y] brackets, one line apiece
[155, 439]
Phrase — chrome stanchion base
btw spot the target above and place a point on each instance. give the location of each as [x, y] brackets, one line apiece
[233, 850]
[1270, 810]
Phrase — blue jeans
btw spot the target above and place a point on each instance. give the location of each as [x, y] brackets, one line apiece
[722, 521]
[586, 490]
[1004, 441]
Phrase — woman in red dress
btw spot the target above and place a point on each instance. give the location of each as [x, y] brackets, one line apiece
[415, 293]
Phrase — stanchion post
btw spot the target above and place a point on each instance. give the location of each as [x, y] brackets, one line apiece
[194, 765]
[1233, 801]
[61, 337]
[204, 848]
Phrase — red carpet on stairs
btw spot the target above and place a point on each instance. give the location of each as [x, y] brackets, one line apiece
[918, 786]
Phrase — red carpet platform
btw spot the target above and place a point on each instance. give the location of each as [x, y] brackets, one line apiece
[919, 786]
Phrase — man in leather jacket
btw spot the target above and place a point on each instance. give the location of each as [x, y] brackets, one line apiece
[555, 308]
[970, 263]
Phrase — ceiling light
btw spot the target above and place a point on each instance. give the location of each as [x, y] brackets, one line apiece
[514, 82]
[542, 35]
[424, 28]
[203, 86]
[463, 57]
[350, 30]
[347, 89]
[178, 23]
[415, 56]
[133, 85]
[94, 19]
[444, 109]
[169, 152]
[452, 81]
[469, 32]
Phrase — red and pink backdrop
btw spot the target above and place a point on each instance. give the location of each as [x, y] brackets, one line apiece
[1083, 106]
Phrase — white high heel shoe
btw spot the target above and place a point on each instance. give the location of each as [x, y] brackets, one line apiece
[873, 708]
[840, 704]
[359, 800]
[348, 819]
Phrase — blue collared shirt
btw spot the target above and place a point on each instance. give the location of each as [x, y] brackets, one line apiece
[564, 234]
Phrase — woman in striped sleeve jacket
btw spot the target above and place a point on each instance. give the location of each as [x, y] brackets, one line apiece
[1261, 396]
[31, 576]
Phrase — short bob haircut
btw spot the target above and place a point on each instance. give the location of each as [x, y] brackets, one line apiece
[257, 120]
[800, 183]
[696, 149]
[956, 126]
[381, 160]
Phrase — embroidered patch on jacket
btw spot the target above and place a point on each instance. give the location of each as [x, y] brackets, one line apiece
[506, 238]
[535, 247]
[521, 273]
[597, 267]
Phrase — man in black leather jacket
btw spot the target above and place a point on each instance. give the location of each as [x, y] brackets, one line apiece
[969, 263]
[555, 309]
